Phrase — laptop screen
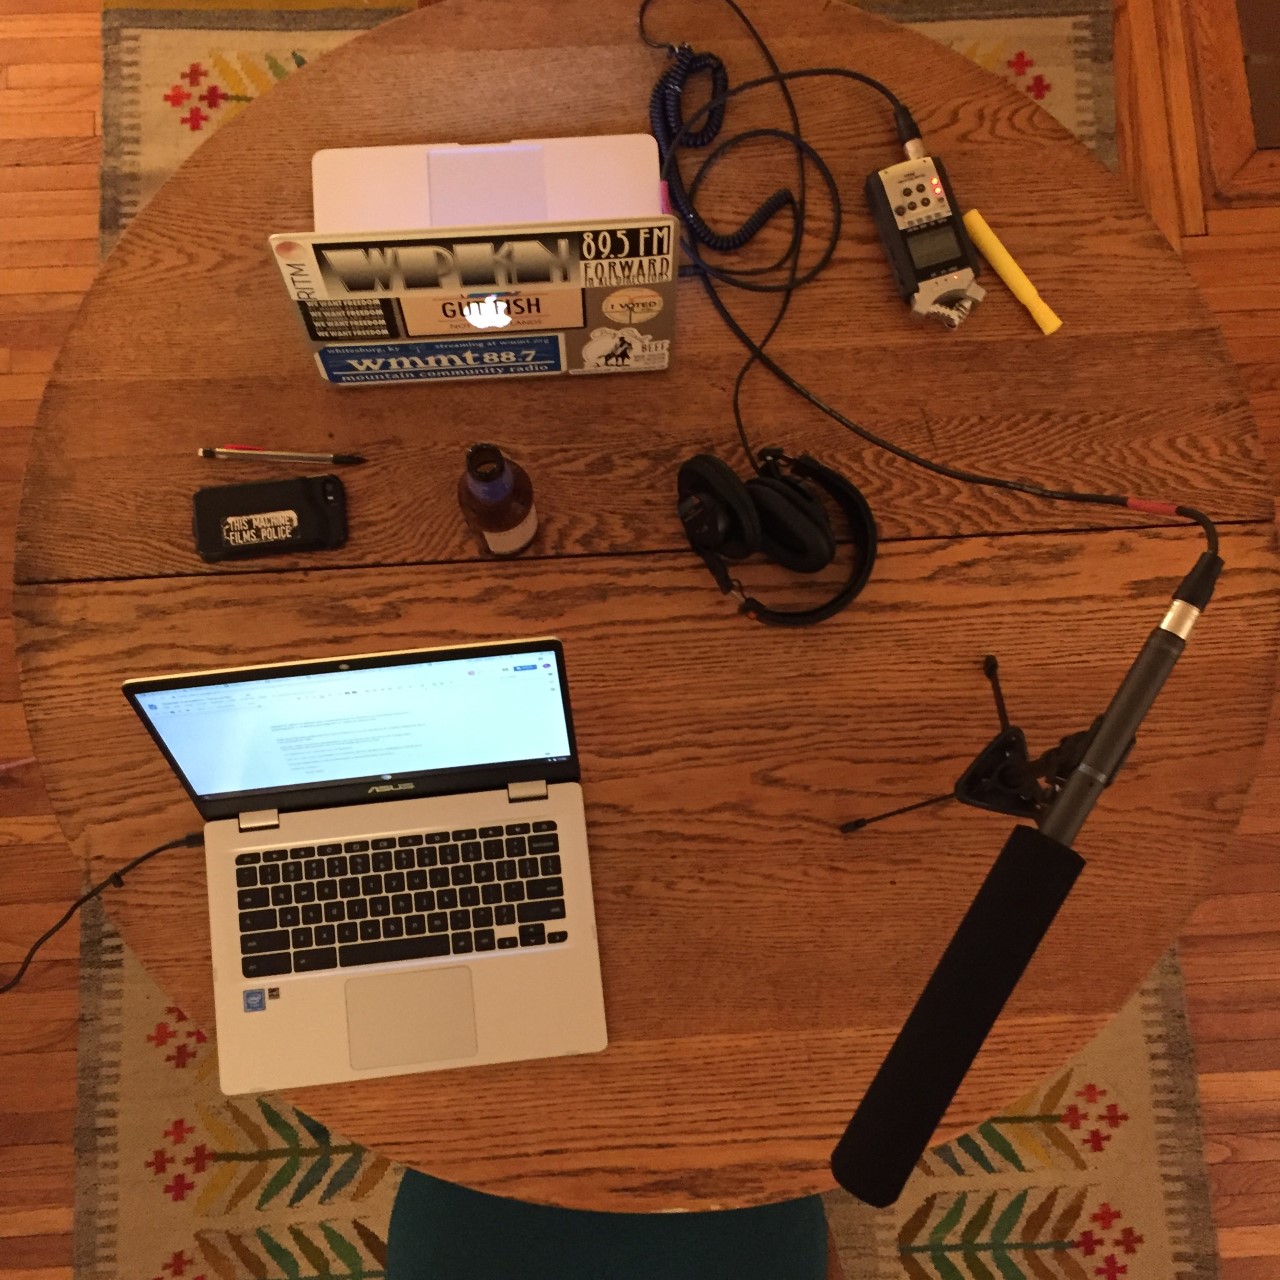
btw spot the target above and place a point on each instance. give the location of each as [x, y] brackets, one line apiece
[472, 717]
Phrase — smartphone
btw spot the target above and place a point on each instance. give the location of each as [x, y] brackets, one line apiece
[269, 517]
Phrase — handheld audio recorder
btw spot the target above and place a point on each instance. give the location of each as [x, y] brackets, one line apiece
[933, 260]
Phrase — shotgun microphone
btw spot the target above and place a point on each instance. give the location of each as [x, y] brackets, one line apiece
[1000, 932]
[981, 966]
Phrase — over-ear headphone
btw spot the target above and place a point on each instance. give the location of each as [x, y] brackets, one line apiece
[776, 513]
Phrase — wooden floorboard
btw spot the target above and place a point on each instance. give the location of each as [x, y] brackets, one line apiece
[50, 149]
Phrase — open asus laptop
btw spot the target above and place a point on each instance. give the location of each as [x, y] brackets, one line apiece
[396, 856]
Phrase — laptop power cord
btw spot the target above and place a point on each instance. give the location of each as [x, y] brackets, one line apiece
[192, 840]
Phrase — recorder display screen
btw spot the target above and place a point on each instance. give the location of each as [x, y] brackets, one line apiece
[933, 246]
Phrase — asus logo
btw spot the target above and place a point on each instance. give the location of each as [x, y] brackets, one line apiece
[390, 786]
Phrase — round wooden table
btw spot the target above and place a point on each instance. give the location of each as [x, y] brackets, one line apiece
[757, 963]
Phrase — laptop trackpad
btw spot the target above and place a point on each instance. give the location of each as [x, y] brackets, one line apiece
[424, 1015]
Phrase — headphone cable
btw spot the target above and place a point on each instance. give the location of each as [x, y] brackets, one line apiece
[678, 132]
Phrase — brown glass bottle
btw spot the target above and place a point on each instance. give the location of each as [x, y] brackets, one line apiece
[496, 497]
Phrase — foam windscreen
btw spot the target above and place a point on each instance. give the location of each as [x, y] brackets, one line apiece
[982, 964]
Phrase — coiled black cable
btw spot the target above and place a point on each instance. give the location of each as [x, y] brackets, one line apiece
[666, 121]
[677, 132]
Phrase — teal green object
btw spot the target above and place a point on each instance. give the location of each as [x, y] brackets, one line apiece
[444, 1232]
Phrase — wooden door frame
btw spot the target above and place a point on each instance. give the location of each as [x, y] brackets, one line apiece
[1234, 171]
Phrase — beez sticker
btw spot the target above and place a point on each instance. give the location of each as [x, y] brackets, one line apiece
[517, 356]
[259, 528]
[614, 350]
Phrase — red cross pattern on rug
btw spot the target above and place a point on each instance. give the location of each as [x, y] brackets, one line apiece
[179, 1188]
[178, 1132]
[1037, 86]
[1094, 1127]
[1111, 1269]
[213, 97]
[186, 1041]
[1091, 1242]
[178, 1268]
[982, 1228]
[181, 1161]
[244, 77]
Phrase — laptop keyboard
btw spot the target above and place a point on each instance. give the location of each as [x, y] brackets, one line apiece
[413, 897]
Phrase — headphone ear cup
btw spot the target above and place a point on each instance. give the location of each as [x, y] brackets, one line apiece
[810, 499]
[715, 508]
[794, 529]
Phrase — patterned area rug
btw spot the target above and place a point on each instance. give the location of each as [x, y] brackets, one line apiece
[174, 72]
[176, 1181]
[1098, 1173]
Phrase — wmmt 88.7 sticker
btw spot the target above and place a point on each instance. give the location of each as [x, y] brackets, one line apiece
[519, 355]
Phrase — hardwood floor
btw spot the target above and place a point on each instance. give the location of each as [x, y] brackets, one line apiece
[50, 73]
[50, 145]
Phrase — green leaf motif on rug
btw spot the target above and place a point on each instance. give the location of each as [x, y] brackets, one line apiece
[1037, 1132]
[282, 1257]
[344, 1250]
[944, 1240]
[318, 1132]
[284, 1175]
[346, 1171]
[259, 1254]
[278, 1123]
[310, 1180]
[282, 1155]
[973, 1228]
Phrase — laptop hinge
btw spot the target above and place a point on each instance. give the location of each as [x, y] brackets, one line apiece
[259, 819]
[517, 791]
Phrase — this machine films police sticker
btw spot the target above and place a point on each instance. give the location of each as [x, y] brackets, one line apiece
[259, 528]
[468, 303]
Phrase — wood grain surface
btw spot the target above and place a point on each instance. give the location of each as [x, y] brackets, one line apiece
[1134, 384]
[756, 962]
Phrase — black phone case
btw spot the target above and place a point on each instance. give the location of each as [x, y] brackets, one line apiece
[269, 517]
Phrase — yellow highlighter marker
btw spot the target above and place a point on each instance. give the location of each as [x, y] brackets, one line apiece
[988, 244]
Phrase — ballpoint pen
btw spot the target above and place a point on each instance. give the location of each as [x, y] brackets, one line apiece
[277, 455]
